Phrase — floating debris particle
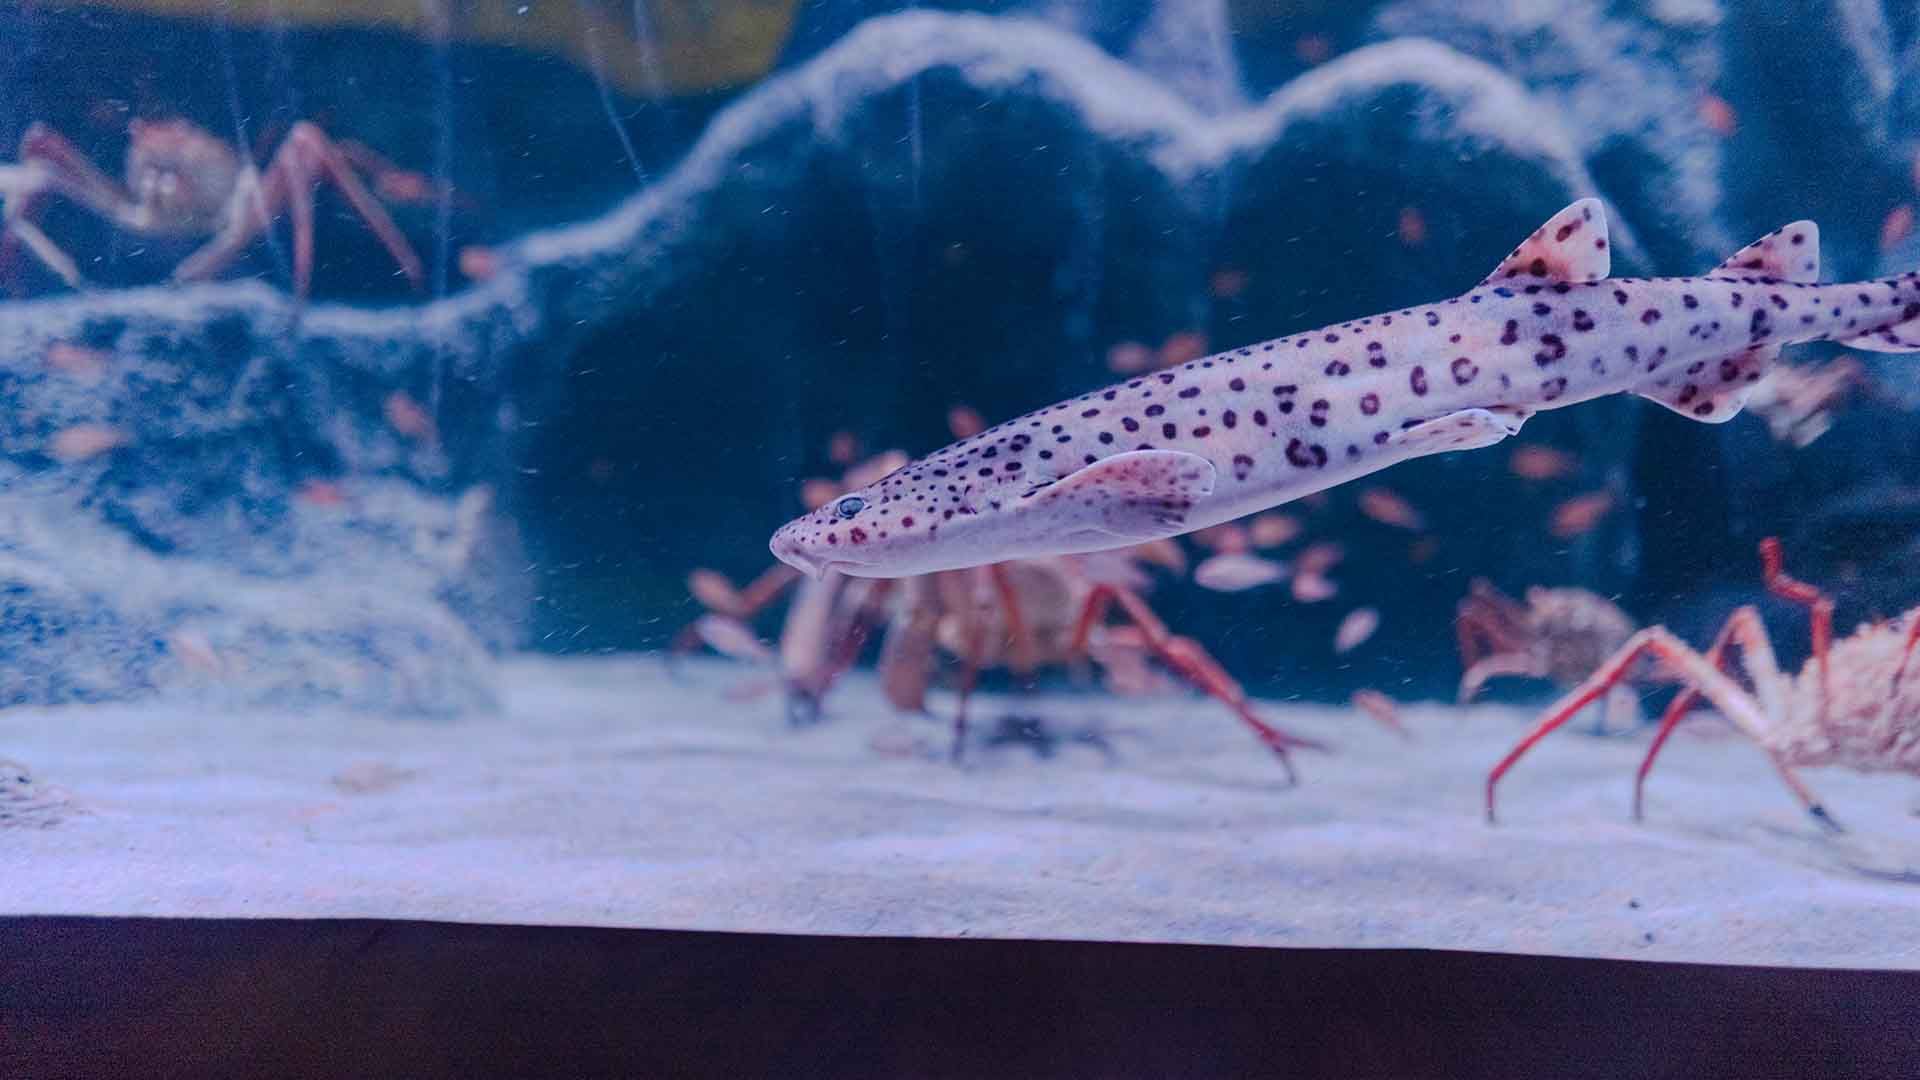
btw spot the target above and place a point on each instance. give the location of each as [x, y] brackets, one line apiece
[1129, 357]
[965, 422]
[1227, 283]
[77, 362]
[1388, 508]
[1382, 709]
[1896, 226]
[1237, 572]
[1273, 530]
[478, 263]
[1412, 227]
[1355, 629]
[1717, 115]
[404, 415]
[1537, 461]
[1313, 588]
[1182, 347]
[1580, 514]
[83, 441]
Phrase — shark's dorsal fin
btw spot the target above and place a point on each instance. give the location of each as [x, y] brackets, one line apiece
[1788, 253]
[1572, 246]
[1138, 496]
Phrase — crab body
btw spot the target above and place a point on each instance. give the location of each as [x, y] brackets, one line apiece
[181, 182]
[1854, 704]
[1868, 719]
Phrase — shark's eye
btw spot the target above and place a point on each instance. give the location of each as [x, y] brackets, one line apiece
[849, 506]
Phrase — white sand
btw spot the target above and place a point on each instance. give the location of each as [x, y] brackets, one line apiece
[611, 794]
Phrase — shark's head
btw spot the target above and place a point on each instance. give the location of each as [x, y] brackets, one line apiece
[991, 498]
[913, 521]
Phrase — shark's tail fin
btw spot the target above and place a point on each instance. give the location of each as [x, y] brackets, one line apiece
[1904, 334]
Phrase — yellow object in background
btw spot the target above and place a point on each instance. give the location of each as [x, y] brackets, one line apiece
[648, 47]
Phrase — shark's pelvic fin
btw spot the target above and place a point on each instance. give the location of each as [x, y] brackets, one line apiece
[1468, 429]
[1572, 246]
[1788, 253]
[1138, 496]
[1718, 391]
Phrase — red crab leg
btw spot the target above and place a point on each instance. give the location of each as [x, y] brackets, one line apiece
[763, 590]
[68, 172]
[1020, 655]
[1735, 704]
[1744, 628]
[1193, 663]
[1476, 677]
[855, 638]
[1906, 650]
[976, 647]
[1818, 604]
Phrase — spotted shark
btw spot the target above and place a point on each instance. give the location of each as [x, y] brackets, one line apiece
[1240, 431]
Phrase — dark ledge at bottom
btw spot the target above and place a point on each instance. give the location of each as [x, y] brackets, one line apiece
[288, 998]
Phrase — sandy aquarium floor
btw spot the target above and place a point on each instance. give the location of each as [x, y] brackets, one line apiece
[612, 792]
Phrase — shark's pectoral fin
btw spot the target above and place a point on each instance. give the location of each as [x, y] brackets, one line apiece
[1572, 246]
[1468, 429]
[1137, 496]
[1715, 391]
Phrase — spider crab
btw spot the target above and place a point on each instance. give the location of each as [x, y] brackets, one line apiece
[183, 182]
[1849, 705]
[1560, 635]
[1020, 615]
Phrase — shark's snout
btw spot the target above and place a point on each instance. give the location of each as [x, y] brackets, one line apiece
[787, 548]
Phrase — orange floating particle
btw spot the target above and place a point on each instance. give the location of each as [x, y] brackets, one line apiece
[1422, 550]
[1182, 347]
[1313, 588]
[1580, 514]
[1355, 629]
[1312, 48]
[1896, 226]
[1272, 530]
[843, 447]
[965, 422]
[1319, 558]
[195, 651]
[1536, 461]
[1236, 572]
[405, 416]
[78, 362]
[1413, 227]
[83, 441]
[1227, 283]
[1228, 537]
[818, 492]
[477, 263]
[1717, 115]
[875, 468]
[1164, 553]
[1382, 709]
[321, 493]
[1388, 508]
[1128, 358]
